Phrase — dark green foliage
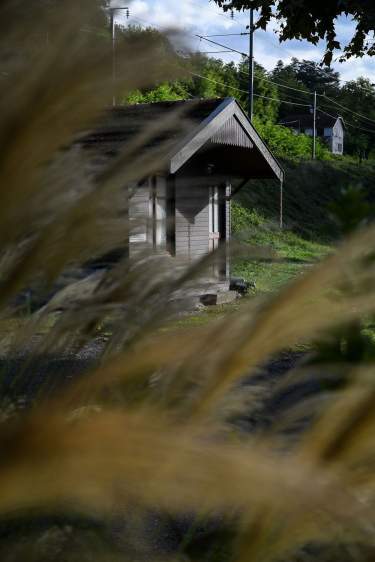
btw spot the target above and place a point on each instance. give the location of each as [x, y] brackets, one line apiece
[220, 79]
[311, 20]
[351, 343]
[163, 92]
[212, 78]
[266, 108]
[286, 76]
[60, 538]
[314, 77]
[310, 190]
[285, 144]
[205, 77]
[354, 101]
[352, 209]
[359, 97]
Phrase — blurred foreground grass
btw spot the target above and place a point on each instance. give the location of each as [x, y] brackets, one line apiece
[208, 442]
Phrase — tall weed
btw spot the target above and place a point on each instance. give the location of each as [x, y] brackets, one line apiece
[150, 434]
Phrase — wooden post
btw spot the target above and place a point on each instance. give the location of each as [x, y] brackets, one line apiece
[113, 31]
[281, 204]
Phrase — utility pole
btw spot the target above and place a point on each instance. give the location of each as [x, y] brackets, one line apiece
[113, 31]
[112, 12]
[251, 65]
[314, 131]
[282, 204]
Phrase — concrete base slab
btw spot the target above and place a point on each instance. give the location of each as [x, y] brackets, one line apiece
[219, 298]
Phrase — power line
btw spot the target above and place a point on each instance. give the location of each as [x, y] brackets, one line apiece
[306, 91]
[245, 91]
[206, 38]
[346, 108]
[280, 85]
[320, 95]
[347, 123]
[275, 45]
[228, 34]
[217, 82]
[186, 92]
[229, 49]
[248, 74]
[286, 83]
[277, 84]
[287, 87]
[282, 101]
[358, 86]
[212, 52]
[221, 45]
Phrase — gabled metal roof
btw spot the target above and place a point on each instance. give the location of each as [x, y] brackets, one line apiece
[230, 125]
[214, 122]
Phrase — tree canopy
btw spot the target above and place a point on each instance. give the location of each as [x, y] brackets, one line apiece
[286, 89]
[314, 21]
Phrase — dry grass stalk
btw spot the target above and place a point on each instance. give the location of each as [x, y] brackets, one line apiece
[141, 429]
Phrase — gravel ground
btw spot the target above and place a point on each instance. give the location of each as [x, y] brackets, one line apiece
[157, 536]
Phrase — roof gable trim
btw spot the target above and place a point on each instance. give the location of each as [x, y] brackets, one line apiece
[201, 135]
[260, 145]
[213, 127]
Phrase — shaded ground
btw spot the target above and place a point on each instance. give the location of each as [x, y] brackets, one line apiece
[144, 539]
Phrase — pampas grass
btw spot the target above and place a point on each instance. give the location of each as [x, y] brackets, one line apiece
[146, 428]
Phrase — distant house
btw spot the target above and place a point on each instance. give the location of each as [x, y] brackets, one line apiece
[183, 208]
[329, 129]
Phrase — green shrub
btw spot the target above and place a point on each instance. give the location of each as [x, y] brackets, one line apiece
[286, 144]
[243, 218]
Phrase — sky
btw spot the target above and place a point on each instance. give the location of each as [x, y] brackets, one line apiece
[203, 17]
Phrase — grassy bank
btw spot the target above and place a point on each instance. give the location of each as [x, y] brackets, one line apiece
[310, 190]
[287, 254]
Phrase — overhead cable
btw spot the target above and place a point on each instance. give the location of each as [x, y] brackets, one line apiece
[245, 91]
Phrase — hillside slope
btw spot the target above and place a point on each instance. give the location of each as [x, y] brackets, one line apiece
[310, 231]
[310, 188]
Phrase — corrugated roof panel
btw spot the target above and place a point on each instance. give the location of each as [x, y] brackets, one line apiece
[232, 134]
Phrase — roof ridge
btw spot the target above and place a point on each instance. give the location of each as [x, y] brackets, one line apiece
[170, 102]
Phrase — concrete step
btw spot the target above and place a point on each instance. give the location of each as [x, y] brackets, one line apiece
[219, 298]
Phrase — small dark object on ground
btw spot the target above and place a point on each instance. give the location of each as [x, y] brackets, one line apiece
[241, 286]
[209, 299]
